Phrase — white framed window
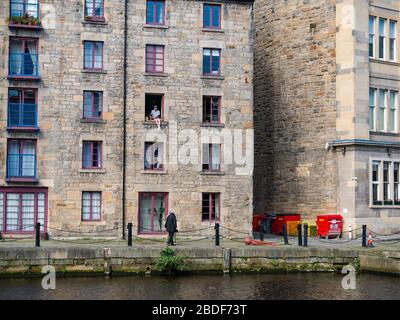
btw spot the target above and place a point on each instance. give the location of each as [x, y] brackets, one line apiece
[382, 38]
[372, 21]
[381, 110]
[392, 40]
[392, 116]
[385, 182]
[372, 108]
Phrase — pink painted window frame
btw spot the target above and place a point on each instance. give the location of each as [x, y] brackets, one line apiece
[219, 62]
[211, 18]
[155, 13]
[92, 105]
[204, 109]
[91, 206]
[94, 17]
[93, 55]
[210, 194]
[100, 155]
[209, 145]
[165, 194]
[151, 68]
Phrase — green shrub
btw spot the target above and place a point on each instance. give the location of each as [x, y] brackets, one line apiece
[24, 20]
[169, 262]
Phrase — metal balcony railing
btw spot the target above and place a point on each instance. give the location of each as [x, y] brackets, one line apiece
[21, 166]
[22, 115]
[23, 65]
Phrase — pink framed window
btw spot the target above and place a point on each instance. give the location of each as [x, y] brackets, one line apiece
[210, 207]
[211, 62]
[153, 208]
[92, 155]
[21, 209]
[211, 157]
[92, 104]
[154, 101]
[212, 110]
[91, 206]
[212, 16]
[155, 12]
[153, 156]
[94, 10]
[93, 55]
[154, 58]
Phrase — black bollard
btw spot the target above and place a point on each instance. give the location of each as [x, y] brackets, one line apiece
[129, 234]
[37, 242]
[285, 238]
[305, 242]
[364, 236]
[299, 235]
[1, 237]
[216, 234]
[261, 235]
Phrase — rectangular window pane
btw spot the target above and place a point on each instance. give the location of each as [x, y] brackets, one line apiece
[396, 180]
[382, 30]
[152, 211]
[216, 16]
[1, 211]
[386, 192]
[375, 181]
[392, 40]
[12, 209]
[392, 110]
[382, 107]
[206, 16]
[372, 93]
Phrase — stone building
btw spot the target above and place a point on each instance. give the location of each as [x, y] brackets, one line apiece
[326, 116]
[79, 83]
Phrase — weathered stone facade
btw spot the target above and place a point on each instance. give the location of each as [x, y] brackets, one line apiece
[315, 143]
[60, 99]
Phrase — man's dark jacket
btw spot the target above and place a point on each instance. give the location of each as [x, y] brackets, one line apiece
[170, 224]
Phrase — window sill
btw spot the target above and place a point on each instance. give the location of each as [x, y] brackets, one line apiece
[211, 173]
[384, 207]
[23, 78]
[212, 77]
[155, 74]
[161, 171]
[212, 30]
[392, 63]
[100, 171]
[22, 180]
[388, 134]
[25, 26]
[23, 129]
[99, 121]
[212, 125]
[153, 124]
[102, 22]
[156, 26]
[94, 71]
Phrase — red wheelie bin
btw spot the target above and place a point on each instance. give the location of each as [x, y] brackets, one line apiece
[329, 225]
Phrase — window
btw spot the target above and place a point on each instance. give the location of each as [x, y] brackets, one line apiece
[92, 157]
[385, 182]
[152, 212]
[153, 156]
[211, 157]
[92, 104]
[94, 9]
[210, 207]
[20, 8]
[22, 108]
[211, 109]
[372, 108]
[392, 40]
[382, 109]
[151, 102]
[21, 159]
[23, 57]
[211, 61]
[91, 206]
[93, 55]
[372, 36]
[382, 41]
[21, 209]
[154, 58]
[155, 12]
[212, 16]
[392, 111]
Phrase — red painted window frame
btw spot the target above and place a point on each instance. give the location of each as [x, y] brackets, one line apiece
[92, 92]
[219, 109]
[155, 13]
[151, 68]
[210, 207]
[166, 195]
[21, 190]
[210, 157]
[100, 147]
[91, 206]
[92, 55]
[211, 19]
[94, 17]
[36, 102]
[219, 62]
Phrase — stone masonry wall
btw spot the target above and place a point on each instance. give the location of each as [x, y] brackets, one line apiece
[295, 112]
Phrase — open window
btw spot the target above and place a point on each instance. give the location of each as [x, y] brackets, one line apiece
[153, 156]
[154, 106]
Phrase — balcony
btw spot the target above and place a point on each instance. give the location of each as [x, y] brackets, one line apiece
[23, 66]
[24, 15]
[21, 168]
[22, 117]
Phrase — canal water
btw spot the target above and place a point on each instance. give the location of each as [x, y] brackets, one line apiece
[206, 287]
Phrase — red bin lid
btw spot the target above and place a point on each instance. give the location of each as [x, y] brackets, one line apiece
[330, 216]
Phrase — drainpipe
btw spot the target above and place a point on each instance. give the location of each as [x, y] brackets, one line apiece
[124, 118]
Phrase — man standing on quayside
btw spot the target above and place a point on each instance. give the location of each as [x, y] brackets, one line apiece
[171, 226]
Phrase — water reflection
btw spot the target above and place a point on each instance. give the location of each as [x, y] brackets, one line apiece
[276, 286]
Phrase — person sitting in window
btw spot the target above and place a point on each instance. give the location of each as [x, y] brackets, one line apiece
[155, 115]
